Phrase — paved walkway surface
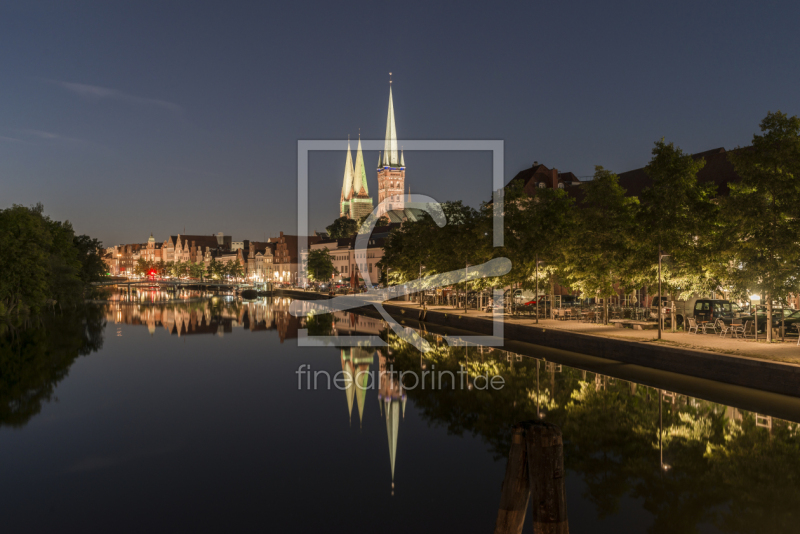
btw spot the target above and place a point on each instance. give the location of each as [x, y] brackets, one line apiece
[786, 351]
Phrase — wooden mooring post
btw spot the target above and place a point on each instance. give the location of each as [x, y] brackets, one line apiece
[535, 472]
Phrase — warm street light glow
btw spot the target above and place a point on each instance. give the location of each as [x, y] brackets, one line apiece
[755, 297]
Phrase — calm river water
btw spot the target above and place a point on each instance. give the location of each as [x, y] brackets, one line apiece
[182, 413]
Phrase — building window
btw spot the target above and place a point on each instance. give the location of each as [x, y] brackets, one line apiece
[542, 185]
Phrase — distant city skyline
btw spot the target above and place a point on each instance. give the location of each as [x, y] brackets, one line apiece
[140, 118]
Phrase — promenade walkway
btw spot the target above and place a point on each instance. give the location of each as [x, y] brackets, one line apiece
[778, 351]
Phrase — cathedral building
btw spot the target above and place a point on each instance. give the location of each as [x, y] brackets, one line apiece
[355, 201]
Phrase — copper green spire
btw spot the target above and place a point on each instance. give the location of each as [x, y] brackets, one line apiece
[390, 145]
[361, 383]
[360, 174]
[348, 174]
[392, 427]
[347, 368]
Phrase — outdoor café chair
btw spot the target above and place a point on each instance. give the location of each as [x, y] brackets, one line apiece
[711, 326]
[692, 325]
[749, 329]
[724, 328]
[737, 330]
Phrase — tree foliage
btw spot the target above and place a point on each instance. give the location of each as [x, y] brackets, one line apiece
[342, 227]
[678, 215]
[320, 265]
[42, 260]
[598, 253]
[762, 213]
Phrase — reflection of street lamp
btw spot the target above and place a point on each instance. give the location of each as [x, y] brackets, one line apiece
[537, 289]
[755, 313]
[466, 287]
[660, 319]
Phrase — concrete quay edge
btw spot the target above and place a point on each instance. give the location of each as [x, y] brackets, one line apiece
[776, 377]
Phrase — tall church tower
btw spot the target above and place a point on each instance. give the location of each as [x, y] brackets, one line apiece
[355, 201]
[347, 186]
[360, 201]
[391, 167]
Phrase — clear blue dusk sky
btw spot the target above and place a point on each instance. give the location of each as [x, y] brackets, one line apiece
[155, 116]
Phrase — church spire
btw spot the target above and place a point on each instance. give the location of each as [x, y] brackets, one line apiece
[348, 174]
[360, 174]
[390, 145]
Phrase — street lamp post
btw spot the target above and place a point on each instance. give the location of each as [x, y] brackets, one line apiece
[537, 288]
[755, 297]
[660, 318]
[466, 290]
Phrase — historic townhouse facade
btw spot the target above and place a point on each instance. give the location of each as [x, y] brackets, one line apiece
[287, 260]
[356, 267]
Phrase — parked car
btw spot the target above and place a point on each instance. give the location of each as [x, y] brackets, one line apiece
[665, 309]
[700, 308]
[791, 319]
[787, 316]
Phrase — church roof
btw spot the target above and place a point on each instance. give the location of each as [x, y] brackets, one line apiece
[406, 214]
[199, 240]
[718, 170]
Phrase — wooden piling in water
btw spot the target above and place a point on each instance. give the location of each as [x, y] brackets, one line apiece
[535, 472]
[545, 450]
[515, 492]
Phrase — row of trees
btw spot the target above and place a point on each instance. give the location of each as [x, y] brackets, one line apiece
[604, 242]
[346, 227]
[42, 262]
[216, 270]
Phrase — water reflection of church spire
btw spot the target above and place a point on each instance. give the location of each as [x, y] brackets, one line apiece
[392, 399]
[355, 365]
[349, 380]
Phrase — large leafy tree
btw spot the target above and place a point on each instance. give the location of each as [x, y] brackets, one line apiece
[41, 261]
[24, 243]
[678, 215]
[762, 213]
[536, 227]
[407, 249]
[93, 268]
[320, 265]
[342, 227]
[422, 247]
[197, 270]
[215, 269]
[142, 267]
[597, 256]
[234, 269]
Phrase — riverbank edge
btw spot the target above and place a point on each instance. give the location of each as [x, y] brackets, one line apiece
[765, 375]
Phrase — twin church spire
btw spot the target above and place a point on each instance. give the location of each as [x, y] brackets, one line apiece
[355, 201]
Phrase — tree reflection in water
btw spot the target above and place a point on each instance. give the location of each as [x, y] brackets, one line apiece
[691, 462]
[34, 361]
